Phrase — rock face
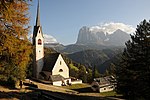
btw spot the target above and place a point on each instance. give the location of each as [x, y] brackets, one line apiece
[118, 38]
[87, 36]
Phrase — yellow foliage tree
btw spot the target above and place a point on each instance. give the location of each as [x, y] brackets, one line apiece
[15, 48]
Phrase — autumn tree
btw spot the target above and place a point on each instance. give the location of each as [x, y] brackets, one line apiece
[15, 48]
[133, 73]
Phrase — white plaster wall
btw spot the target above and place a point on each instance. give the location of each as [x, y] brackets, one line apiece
[39, 53]
[102, 89]
[67, 80]
[106, 89]
[62, 66]
[77, 82]
[57, 83]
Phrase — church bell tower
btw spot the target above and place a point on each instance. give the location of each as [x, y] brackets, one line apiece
[38, 43]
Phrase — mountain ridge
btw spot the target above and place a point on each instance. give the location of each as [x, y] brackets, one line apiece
[117, 38]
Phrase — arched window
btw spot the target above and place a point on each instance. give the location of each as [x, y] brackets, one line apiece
[60, 70]
[39, 42]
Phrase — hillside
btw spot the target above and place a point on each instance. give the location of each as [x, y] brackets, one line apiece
[89, 57]
[99, 58]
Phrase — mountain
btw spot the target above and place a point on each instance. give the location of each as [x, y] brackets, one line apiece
[89, 57]
[87, 36]
[97, 45]
[77, 48]
[118, 38]
[48, 39]
[50, 42]
[99, 58]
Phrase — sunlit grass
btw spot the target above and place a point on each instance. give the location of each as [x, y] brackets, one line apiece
[110, 93]
[77, 86]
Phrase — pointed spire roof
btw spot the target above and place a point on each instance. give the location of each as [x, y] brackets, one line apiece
[37, 26]
[38, 15]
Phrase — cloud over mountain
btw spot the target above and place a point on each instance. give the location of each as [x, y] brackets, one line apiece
[112, 27]
[47, 38]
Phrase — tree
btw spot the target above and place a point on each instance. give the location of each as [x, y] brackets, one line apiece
[15, 48]
[73, 70]
[133, 73]
[111, 70]
[82, 73]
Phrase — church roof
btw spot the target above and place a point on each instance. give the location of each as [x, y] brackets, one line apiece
[38, 25]
[54, 78]
[105, 81]
[50, 61]
[47, 75]
[38, 15]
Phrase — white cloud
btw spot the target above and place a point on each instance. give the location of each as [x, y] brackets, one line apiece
[111, 27]
[47, 38]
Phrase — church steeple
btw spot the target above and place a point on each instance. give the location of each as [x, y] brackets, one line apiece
[37, 25]
[38, 43]
[38, 15]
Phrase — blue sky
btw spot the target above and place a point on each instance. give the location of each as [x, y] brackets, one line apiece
[63, 18]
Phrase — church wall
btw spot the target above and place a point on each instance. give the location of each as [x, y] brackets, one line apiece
[39, 53]
[57, 83]
[61, 68]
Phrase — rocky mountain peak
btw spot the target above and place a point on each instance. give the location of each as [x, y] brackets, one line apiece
[87, 36]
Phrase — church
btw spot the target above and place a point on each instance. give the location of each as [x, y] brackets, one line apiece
[55, 70]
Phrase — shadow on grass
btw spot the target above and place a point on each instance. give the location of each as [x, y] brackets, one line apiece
[50, 95]
[84, 90]
[18, 95]
[39, 94]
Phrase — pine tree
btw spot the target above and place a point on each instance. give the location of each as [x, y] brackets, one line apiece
[82, 73]
[15, 48]
[133, 73]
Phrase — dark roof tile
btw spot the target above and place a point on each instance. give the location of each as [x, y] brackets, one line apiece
[49, 61]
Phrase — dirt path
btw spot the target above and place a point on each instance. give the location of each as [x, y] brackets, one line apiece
[53, 88]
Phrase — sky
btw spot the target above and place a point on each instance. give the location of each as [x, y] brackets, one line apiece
[63, 19]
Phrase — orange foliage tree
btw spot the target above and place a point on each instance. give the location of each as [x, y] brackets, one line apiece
[15, 48]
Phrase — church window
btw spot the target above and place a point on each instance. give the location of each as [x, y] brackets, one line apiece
[60, 62]
[60, 70]
[39, 42]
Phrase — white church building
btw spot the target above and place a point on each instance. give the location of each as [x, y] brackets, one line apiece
[55, 70]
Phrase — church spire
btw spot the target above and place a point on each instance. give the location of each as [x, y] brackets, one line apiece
[38, 15]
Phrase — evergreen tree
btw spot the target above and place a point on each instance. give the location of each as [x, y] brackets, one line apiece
[73, 70]
[133, 73]
[82, 73]
[111, 70]
[93, 72]
[15, 48]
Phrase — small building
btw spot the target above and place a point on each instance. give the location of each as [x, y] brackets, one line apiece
[104, 84]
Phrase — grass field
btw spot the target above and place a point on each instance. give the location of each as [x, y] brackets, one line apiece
[110, 93]
[86, 88]
[77, 86]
